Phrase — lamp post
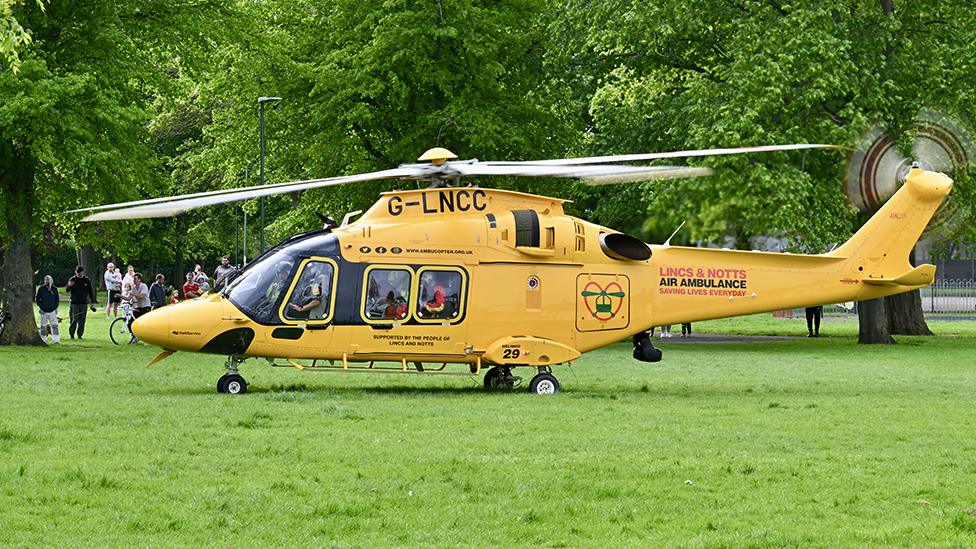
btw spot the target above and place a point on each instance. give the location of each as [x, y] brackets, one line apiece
[261, 101]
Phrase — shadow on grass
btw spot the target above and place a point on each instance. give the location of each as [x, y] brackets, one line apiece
[636, 391]
[301, 388]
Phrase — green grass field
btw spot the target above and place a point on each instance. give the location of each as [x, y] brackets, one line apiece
[782, 443]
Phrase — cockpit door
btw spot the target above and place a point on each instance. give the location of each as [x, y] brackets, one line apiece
[309, 302]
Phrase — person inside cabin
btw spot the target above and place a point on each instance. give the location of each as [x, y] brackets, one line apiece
[307, 300]
[311, 301]
[395, 307]
[387, 292]
[435, 306]
[438, 294]
[279, 282]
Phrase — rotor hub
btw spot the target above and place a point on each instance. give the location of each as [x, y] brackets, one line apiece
[437, 156]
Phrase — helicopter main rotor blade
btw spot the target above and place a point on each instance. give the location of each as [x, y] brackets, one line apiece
[378, 175]
[674, 154]
[175, 205]
[594, 174]
[676, 172]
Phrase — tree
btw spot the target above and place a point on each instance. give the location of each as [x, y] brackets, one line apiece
[13, 36]
[694, 74]
[73, 125]
[369, 86]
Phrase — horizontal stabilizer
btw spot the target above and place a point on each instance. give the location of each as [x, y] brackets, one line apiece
[919, 276]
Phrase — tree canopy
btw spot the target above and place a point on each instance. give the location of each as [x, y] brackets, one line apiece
[122, 100]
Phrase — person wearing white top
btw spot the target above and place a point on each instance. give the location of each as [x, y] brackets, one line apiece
[127, 281]
[200, 277]
[139, 297]
[113, 285]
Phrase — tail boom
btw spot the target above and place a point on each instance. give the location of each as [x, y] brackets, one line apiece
[694, 284]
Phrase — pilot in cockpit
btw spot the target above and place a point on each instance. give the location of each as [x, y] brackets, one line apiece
[310, 299]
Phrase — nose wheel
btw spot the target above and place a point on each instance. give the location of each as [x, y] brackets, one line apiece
[232, 383]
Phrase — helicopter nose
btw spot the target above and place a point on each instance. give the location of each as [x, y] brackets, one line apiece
[153, 327]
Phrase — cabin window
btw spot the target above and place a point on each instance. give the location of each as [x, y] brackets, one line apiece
[387, 295]
[440, 295]
[311, 295]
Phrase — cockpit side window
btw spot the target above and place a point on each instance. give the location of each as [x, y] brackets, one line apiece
[440, 295]
[387, 294]
[311, 297]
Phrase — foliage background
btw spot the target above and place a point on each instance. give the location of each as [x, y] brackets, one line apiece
[125, 100]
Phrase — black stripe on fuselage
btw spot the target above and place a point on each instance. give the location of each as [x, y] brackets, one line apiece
[349, 285]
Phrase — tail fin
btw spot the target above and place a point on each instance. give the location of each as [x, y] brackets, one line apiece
[879, 251]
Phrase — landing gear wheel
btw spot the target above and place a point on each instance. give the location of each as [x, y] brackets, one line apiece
[544, 383]
[119, 332]
[222, 384]
[497, 379]
[232, 384]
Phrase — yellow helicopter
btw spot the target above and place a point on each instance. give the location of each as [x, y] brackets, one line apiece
[494, 280]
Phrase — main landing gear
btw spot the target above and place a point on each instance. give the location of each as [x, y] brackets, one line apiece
[644, 350]
[500, 378]
[232, 382]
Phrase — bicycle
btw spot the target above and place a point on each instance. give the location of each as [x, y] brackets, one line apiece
[118, 331]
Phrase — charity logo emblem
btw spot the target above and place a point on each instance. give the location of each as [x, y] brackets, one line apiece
[533, 282]
[603, 302]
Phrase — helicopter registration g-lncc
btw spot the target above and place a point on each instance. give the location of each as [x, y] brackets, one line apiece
[496, 280]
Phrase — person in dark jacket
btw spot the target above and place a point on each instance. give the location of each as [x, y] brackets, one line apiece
[814, 314]
[47, 300]
[80, 288]
[159, 293]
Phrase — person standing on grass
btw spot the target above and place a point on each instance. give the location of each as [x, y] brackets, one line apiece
[814, 314]
[80, 288]
[127, 283]
[201, 279]
[113, 285]
[190, 288]
[47, 300]
[130, 271]
[224, 274]
[158, 292]
[686, 329]
[139, 296]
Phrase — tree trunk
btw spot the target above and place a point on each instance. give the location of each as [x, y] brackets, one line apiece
[904, 314]
[89, 259]
[872, 323]
[17, 174]
[179, 276]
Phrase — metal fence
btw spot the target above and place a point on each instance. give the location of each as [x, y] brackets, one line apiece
[946, 299]
[950, 296]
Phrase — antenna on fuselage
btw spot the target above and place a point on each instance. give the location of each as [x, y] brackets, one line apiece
[348, 217]
[668, 241]
[327, 222]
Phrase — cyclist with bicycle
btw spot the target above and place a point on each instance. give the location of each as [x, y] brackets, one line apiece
[139, 297]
